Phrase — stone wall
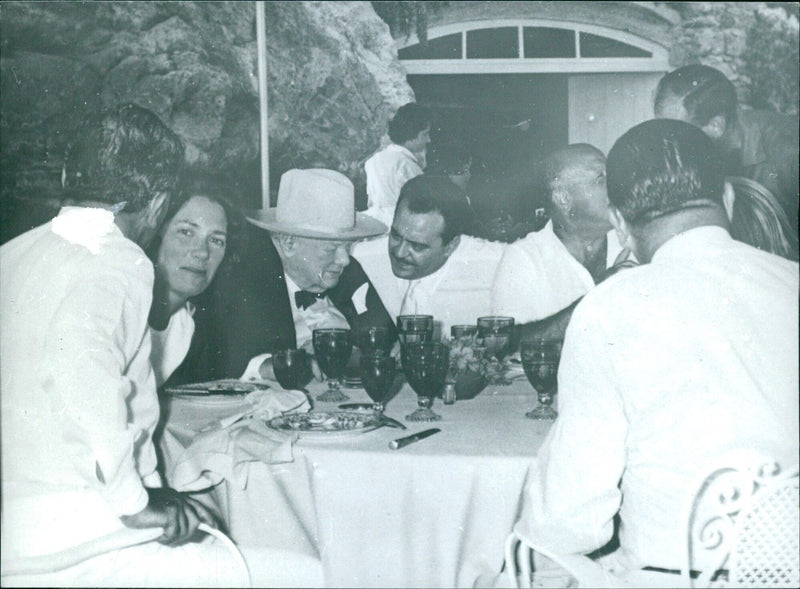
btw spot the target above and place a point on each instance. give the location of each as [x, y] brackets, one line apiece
[716, 34]
[333, 78]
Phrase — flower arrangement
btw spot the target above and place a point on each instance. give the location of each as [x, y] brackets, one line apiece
[467, 353]
[469, 366]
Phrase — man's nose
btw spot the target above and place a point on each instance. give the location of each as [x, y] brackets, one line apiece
[401, 251]
[342, 256]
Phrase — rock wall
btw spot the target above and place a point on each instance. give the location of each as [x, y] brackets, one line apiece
[725, 35]
[333, 81]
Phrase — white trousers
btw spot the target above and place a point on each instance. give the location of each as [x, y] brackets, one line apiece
[204, 564]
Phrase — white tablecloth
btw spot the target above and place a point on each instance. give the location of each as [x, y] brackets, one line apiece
[432, 514]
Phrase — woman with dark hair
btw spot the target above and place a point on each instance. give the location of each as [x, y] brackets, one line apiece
[186, 254]
[759, 220]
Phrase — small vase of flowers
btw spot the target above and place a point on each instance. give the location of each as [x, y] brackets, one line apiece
[468, 366]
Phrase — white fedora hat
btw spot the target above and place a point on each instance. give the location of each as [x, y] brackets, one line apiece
[317, 203]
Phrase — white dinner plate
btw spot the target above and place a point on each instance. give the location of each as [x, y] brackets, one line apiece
[222, 387]
[326, 425]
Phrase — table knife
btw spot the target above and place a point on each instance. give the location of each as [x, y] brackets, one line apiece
[401, 442]
[391, 422]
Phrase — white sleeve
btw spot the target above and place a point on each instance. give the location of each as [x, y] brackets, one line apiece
[514, 286]
[574, 495]
[85, 359]
[406, 170]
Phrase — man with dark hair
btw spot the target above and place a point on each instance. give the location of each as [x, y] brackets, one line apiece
[79, 401]
[757, 144]
[543, 275]
[427, 265]
[398, 162]
[684, 361]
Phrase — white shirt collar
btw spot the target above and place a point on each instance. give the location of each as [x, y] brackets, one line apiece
[85, 226]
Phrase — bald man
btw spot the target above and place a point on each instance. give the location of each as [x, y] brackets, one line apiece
[542, 276]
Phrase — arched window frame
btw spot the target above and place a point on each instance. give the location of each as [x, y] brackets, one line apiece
[659, 62]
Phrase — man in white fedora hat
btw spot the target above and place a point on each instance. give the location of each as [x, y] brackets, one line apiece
[294, 275]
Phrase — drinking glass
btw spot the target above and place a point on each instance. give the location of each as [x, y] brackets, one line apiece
[374, 339]
[425, 366]
[332, 348]
[292, 368]
[457, 331]
[540, 362]
[497, 333]
[377, 376]
[414, 328]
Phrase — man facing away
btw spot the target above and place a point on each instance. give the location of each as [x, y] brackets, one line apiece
[542, 276]
[295, 276]
[426, 265]
[398, 162]
[666, 367]
[758, 144]
[78, 395]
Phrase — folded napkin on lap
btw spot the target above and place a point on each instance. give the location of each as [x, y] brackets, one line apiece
[225, 451]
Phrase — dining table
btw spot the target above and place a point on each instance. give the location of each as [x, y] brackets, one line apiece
[434, 513]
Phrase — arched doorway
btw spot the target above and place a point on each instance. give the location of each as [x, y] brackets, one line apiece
[515, 89]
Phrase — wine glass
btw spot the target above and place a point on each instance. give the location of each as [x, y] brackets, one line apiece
[540, 362]
[425, 366]
[459, 331]
[292, 368]
[497, 333]
[332, 348]
[377, 376]
[414, 328]
[374, 339]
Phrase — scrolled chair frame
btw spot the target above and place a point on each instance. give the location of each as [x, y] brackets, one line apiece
[750, 528]
[741, 528]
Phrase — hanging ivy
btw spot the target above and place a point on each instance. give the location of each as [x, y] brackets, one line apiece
[771, 61]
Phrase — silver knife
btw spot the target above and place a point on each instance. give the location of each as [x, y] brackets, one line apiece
[401, 442]
[391, 422]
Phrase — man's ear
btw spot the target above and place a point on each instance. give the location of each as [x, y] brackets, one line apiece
[452, 245]
[620, 226]
[157, 209]
[286, 244]
[715, 127]
[561, 200]
[728, 199]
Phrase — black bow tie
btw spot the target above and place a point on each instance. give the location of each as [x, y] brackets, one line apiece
[304, 299]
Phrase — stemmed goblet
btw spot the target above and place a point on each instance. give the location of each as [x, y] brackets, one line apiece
[497, 333]
[332, 348]
[459, 331]
[292, 368]
[377, 375]
[540, 361]
[374, 340]
[425, 366]
[413, 329]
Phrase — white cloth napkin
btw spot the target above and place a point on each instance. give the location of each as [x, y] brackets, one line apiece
[226, 451]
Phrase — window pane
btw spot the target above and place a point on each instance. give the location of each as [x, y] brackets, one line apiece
[447, 47]
[492, 43]
[596, 46]
[548, 42]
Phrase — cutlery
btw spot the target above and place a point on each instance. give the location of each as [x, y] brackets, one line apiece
[402, 442]
[384, 419]
[391, 422]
